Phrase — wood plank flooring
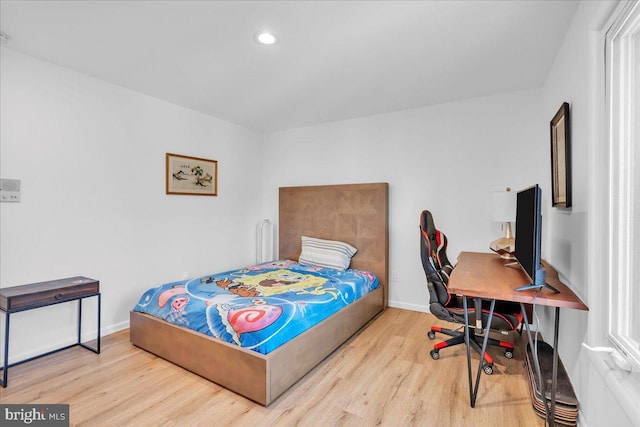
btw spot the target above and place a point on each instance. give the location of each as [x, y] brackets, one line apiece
[383, 376]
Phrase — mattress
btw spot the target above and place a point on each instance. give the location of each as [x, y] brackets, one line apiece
[259, 307]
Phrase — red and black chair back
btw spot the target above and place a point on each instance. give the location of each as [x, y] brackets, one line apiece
[437, 268]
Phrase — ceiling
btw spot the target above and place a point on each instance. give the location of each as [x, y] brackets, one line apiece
[334, 60]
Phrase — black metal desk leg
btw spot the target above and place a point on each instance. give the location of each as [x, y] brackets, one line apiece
[5, 366]
[98, 333]
[536, 363]
[468, 345]
[79, 320]
[473, 389]
[95, 349]
[487, 328]
[554, 375]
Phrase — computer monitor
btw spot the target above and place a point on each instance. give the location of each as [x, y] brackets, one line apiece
[529, 237]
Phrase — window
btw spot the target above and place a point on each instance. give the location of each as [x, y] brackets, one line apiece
[623, 124]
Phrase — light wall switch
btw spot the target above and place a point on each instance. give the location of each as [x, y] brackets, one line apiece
[9, 190]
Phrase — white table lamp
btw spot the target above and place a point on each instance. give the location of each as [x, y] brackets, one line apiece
[503, 209]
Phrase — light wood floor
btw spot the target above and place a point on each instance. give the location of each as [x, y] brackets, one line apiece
[383, 376]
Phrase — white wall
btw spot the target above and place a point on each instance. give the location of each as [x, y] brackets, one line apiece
[577, 78]
[91, 158]
[444, 158]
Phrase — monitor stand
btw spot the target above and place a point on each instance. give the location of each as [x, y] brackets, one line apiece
[541, 276]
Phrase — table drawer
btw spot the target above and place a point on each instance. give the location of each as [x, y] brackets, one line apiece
[45, 293]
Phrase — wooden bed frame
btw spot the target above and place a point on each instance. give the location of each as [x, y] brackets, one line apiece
[352, 213]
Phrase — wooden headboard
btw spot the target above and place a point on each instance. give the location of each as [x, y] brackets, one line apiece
[354, 213]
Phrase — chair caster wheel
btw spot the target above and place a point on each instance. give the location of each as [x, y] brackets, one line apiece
[508, 354]
[435, 355]
[488, 369]
[431, 335]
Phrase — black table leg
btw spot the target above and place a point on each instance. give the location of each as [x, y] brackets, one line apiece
[473, 390]
[534, 352]
[95, 349]
[468, 345]
[5, 365]
[99, 317]
[554, 375]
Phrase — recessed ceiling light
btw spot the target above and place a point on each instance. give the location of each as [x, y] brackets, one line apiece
[265, 37]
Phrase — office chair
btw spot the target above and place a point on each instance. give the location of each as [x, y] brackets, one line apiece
[506, 317]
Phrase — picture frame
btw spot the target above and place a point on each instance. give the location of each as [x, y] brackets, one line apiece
[561, 158]
[193, 176]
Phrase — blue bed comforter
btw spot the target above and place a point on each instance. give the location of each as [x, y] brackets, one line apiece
[259, 307]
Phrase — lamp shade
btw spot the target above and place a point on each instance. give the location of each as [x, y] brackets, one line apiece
[503, 206]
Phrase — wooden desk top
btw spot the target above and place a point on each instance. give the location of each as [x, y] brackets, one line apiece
[484, 275]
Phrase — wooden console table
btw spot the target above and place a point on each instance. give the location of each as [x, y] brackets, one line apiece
[36, 295]
[484, 275]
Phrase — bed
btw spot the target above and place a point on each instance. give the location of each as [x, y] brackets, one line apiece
[352, 213]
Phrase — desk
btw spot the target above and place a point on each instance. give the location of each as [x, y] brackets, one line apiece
[35, 295]
[484, 275]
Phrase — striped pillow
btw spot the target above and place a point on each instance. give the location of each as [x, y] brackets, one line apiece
[326, 253]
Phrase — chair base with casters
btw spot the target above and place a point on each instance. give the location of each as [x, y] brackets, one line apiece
[474, 340]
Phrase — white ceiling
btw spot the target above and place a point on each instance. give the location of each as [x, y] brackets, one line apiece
[335, 59]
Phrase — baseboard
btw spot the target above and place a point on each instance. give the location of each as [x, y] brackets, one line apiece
[406, 306]
[86, 336]
[114, 328]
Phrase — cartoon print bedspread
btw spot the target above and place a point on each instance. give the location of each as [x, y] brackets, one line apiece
[260, 307]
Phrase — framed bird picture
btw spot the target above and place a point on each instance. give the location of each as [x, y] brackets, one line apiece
[191, 175]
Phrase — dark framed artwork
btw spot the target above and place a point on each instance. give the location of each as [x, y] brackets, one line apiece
[561, 158]
[191, 175]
